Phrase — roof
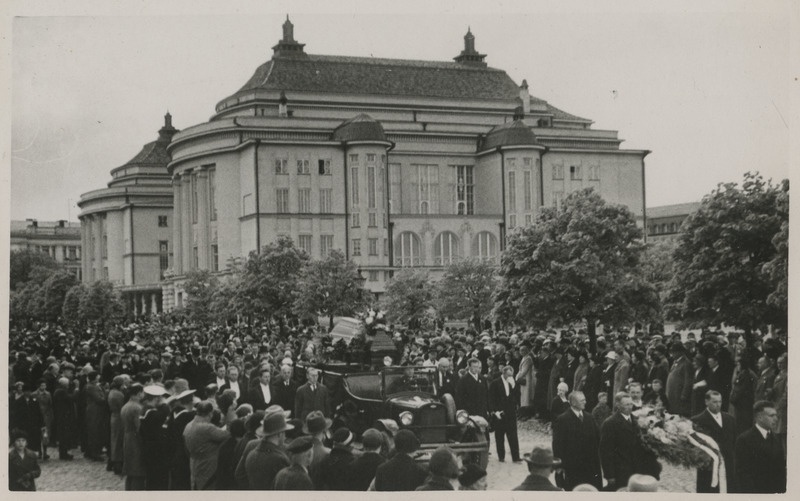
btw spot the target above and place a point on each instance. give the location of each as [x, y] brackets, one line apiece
[563, 115]
[672, 210]
[395, 77]
[514, 133]
[359, 128]
[155, 152]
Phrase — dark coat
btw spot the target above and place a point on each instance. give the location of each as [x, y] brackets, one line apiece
[766, 379]
[256, 398]
[116, 399]
[65, 417]
[401, 473]
[444, 383]
[499, 402]
[132, 459]
[536, 483]
[436, 483]
[22, 471]
[97, 418]
[660, 371]
[334, 470]
[307, 401]
[283, 394]
[743, 398]
[725, 437]
[679, 387]
[362, 471]
[472, 395]
[760, 463]
[262, 465]
[179, 470]
[154, 448]
[620, 447]
[26, 414]
[226, 465]
[577, 444]
[293, 478]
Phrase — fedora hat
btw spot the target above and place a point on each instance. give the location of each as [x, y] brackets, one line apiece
[316, 422]
[274, 423]
[542, 456]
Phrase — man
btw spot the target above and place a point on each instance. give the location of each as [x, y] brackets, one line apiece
[364, 467]
[316, 426]
[234, 384]
[203, 440]
[285, 389]
[443, 381]
[622, 369]
[471, 391]
[760, 463]
[181, 415]
[218, 377]
[444, 469]
[679, 382]
[636, 393]
[540, 466]
[576, 439]
[132, 460]
[620, 445]
[335, 469]
[503, 398]
[766, 379]
[401, 473]
[312, 396]
[260, 396]
[718, 380]
[152, 428]
[608, 373]
[66, 418]
[295, 477]
[721, 427]
[96, 417]
[259, 466]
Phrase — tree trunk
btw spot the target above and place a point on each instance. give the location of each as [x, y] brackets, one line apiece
[591, 329]
[330, 323]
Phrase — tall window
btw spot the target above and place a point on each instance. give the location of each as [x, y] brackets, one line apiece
[428, 188]
[302, 167]
[445, 249]
[325, 200]
[373, 220]
[594, 172]
[512, 221]
[162, 221]
[282, 200]
[93, 247]
[558, 172]
[354, 185]
[163, 256]
[281, 166]
[395, 189]
[464, 190]
[526, 186]
[304, 242]
[325, 245]
[371, 188]
[356, 218]
[528, 219]
[373, 246]
[371, 157]
[324, 165]
[575, 172]
[356, 246]
[73, 253]
[105, 246]
[354, 158]
[373, 276]
[485, 246]
[304, 200]
[214, 257]
[512, 191]
[212, 194]
[407, 251]
[105, 272]
[194, 197]
[558, 198]
[195, 258]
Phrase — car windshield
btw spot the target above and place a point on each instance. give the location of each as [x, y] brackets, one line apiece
[408, 378]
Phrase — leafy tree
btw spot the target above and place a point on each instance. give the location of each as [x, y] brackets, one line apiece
[408, 296]
[72, 304]
[200, 287]
[24, 262]
[100, 304]
[26, 303]
[727, 265]
[54, 290]
[466, 290]
[330, 287]
[580, 262]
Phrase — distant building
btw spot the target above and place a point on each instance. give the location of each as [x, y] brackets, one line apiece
[664, 222]
[61, 240]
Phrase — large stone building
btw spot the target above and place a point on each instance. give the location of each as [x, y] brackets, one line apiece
[61, 240]
[664, 222]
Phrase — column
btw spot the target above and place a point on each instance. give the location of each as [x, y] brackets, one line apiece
[143, 298]
[98, 247]
[84, 246]
[153, 303]
[186, 230]
[177, 225]
[202, 218]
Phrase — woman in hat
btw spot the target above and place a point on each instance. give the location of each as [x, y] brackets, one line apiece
[23, 467]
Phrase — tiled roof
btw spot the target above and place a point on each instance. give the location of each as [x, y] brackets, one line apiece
[672, 210]
[514, 133]
[359, 128]
[563, 115]
[152, 153]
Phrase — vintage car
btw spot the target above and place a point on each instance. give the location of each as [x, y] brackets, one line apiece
[408, 396]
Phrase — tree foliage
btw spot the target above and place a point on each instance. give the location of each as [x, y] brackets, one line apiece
[466, 290]
[39, 285]
[408, 296]
[732, 256]
[200, 287]
[92, 304]
[330, 287]
[581, 262]
[24, 262]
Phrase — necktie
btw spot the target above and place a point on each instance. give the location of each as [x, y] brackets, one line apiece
[580, 416]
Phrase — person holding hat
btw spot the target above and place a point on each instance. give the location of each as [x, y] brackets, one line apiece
[334, 470]
[23, 466]
[444, 469]
[472, 479]
[401, 473]
[317, 425]
[363, 469]
[203, 440]
[541, 464]
[295, 477]
[257, 468]
[679, 382]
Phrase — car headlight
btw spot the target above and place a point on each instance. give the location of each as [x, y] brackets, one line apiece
[406, 418]
[462, 417]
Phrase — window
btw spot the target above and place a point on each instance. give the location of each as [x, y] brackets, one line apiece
[356, 217]
[485, 246]
[325, 245]
[594, 172]
[304, 242]
[373, 246]
[194, 197]
[163, 256]
[325, 200]
[371, 187]
[528, 219]
[526, 186]
[105, 272]
[356, 246]
[105, 246]
[195, 258]
[512, 221]
[304, 200]
[558, 198]
[465, 195]
[302, 167]
[324, 165]
[511, 163]
[212, 193]
[162, 221]
[395, 189]
[428, 188]
[575, 172]
[407, 251]
[214, 257]
[281, 166]
[73, 253]
[373, 220]
[282, 200]
[354, 185]
[526, 161]
[445, 249]
[512, 191]
[354, 159]
[385, 246]
[558, 172]
[373, 276]
[371, 157]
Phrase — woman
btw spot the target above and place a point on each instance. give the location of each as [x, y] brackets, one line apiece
[581, 371]
[97, 417]
[560, 402]
[23, 467]
[116, 399]
[526, 379]
[46, 407]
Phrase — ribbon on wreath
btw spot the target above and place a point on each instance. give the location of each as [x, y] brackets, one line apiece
[710, 447]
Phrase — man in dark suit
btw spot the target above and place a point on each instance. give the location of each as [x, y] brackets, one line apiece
[576, 441]
[235, 383]
[284, 389]
[620, 445]
[312, 396]
[679, 382]
[472, 393]
[401, 473]
[540, 466]
[443, 380]
[766, 378]
[261, 395]
[503, 397]
[760, 463]
[721, 427]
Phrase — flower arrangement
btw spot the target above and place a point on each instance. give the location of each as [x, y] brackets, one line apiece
[670, 437]
[374, 321]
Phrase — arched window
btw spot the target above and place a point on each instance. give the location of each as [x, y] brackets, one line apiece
[445, 249]
[484, 246]
[408, 250]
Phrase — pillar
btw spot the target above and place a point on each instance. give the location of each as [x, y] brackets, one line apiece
[202, 219]
[153, 303]
[186, 228]
[143, 298]
[177, 225]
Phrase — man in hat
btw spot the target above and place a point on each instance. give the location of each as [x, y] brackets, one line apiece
[316, 425]
[334, 470]
[132, 459]
[252, 427]
[182, 413]
[679, 382]
[23, 466]
[295, 477]
[363, 469]
[401, 473]
[312, 396]
[203, 440]
[473, 478]
[576, 438]
[258, 468]
[444, 469]
[540, 466]
[152, 428]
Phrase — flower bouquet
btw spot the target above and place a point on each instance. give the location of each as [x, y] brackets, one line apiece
[671, 438]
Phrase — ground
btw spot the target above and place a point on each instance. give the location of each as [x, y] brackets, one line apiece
[84, 475]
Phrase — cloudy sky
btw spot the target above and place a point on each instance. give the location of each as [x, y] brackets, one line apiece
[706, 88]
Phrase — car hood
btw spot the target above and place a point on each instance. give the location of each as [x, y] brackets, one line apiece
[412, 400]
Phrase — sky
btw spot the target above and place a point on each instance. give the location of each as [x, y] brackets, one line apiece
[706, 86]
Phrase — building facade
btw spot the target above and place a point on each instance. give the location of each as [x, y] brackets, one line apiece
[61, 240]
[664, 222]
[126, 228]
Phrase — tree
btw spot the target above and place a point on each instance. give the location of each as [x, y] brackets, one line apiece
[72, 304]
[408, 296]
[777, 269]
[581, 262]
[53, 291]
[330, 287]
[727, 264]
[100, 304]
[24, 262]
[466, 290]
[200, 287]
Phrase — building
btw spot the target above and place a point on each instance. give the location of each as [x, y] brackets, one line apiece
[664, 222]
[396, 162]
[126, 228]
[61, 240]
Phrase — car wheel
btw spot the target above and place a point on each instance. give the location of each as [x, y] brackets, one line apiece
[450, 404]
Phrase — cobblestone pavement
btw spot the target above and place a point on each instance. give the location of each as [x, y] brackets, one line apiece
[83, 475]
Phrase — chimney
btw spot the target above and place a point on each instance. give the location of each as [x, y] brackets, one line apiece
[62, 223]
[166, 132]
[288, 46]
[525, 97]
[469, 56]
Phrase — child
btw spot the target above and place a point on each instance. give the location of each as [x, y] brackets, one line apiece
[23, 465]
[601, 410]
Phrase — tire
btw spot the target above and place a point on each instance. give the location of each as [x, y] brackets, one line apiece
[450, 404]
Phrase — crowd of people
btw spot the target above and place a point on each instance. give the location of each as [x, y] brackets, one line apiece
[171, 405]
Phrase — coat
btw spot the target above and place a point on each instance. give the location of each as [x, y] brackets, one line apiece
[679, 386]
[363, 469]
[621, 373]
[66, 417]
[334, 470]
[97, 417]
[116, 399]
[320, 453]
[283, 394]
[152, 428]
[203, 441]
[766, 380]
[742, 398]
[444, 383]
[526, 373]
[132, 459]
[760, 463]
[22, 471]
[499, 402]
[619, 449]
[577, 444]
[472, 395]
[179, 469]
[262, 465]
[725, 437]
[536, 483]
[436, 483]
[307, 401]
[401, 473]
[256, 397]
[293, 478]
